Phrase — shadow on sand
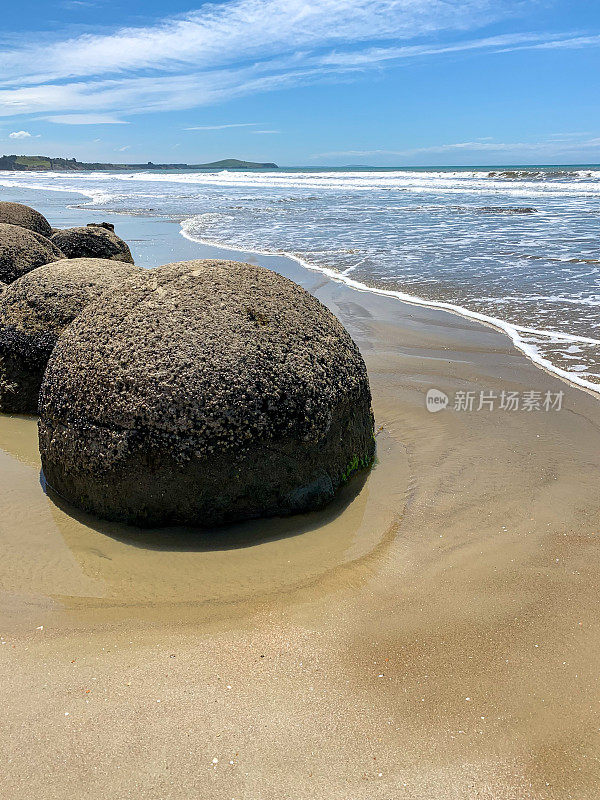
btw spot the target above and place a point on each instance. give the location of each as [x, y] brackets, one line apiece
[226, 537]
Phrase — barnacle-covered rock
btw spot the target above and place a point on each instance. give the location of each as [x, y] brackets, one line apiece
[210, 391]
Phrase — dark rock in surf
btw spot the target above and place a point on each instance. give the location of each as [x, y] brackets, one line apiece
[22, 250]
[24, 217]
[107, 225]
[508, 210]
[34, 311]
[211, 391]
[92, 241]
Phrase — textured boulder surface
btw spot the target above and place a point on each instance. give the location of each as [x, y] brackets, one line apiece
[24, 217]
[211, 391]
[108, 225]
[22, 250]
[34, 311]
[92, 241]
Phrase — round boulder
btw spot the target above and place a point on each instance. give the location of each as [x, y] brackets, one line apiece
[34, 311]
[108, 225]
[213, 391]
[24, 217]
[92, 241]
[22, 250]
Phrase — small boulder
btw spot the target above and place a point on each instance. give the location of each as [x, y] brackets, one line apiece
[22, 250]
[34, 311]
[108, 225]
[92, 241]
[24, 217]
[213, 391]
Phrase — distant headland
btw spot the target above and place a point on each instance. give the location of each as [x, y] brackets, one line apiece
[36, 163]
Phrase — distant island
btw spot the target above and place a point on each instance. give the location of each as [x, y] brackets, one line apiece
[30, 163]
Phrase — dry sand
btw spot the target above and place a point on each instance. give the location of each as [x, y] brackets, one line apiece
[434, 635]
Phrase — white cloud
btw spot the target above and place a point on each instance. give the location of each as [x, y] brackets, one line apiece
[162, 93]
[75, 4]
[501, 44]
[261, 132]
[85, 119]
[19, 135]
[123, 149]
[555, 145]
[563, 42]
[221, 127]
[229, 32]
[241, 47]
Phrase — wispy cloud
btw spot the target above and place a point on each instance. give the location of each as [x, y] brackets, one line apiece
[74, 4]
[85, 119]
[161, 93]
[263, 132]
[221, 127]
[499, 44]
[230, 49]
[230, 32]
[555, 145]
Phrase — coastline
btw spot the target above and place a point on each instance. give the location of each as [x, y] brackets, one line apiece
[512, 331]
[432, 636]
[517, 333]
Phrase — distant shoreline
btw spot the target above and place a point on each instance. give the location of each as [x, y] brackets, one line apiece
[40, 163]
[14, 163]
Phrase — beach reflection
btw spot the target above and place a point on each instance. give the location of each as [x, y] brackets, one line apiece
[55, 552]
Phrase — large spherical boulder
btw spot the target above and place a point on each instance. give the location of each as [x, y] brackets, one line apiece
[22, 250]
[92, 241]
[24, 217]
[34, 311]
[214, 391]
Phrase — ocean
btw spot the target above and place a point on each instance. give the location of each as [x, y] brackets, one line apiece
[517, 247]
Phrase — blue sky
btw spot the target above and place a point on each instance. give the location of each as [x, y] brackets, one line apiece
[299, 82]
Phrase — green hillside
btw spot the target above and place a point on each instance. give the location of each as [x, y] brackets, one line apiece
[24, 163]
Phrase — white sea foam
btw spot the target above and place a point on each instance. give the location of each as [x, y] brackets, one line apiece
[96, 196]
[517, 250]
[582, 182]
[517, 333]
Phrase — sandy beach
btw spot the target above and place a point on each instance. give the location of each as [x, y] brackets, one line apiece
[432, 636]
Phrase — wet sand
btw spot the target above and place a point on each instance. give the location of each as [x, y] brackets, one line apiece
[433, 635]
